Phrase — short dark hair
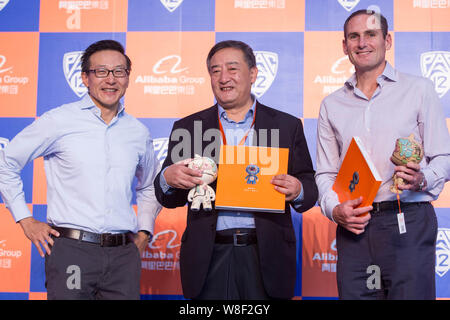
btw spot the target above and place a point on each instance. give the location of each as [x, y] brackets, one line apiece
[100, 46]
[383, 21]
[249, 56]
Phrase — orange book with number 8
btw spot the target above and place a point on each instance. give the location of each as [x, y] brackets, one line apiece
[357, 176]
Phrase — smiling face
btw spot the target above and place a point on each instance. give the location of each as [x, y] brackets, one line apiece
[106, 92]
[365, 45]
[231, 78]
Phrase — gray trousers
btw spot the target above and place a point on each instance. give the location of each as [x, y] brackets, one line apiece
[234, 274]
[404, 263]
[84, 271]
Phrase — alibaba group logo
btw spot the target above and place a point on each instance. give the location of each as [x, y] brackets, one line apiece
[339, 66]
[173, 61]
[166, 236]
[333, 245]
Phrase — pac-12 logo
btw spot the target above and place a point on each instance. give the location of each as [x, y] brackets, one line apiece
[161, 145]
[171, 5]
[2, 62]
[3, 3]
[435, 65]
[267, 63]
[72, 72]
[443, 251]
[348, 4]
[3, 143]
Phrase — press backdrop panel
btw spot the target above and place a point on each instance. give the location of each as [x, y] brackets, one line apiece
[298, 47]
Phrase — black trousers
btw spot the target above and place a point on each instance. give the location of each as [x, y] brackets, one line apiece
[234, 273]
[78, 270]
[404, 263]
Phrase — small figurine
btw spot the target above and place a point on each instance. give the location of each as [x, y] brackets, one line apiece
[406, 150]
[203, 194]
[252, 171]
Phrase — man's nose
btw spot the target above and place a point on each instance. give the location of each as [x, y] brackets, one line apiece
[110, 78]
[362, 42]
[224, 77]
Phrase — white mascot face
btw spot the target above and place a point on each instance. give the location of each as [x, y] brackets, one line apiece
[207, 165]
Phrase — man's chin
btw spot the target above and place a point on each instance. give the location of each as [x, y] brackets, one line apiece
[226, 104]
[368, 66]
[107, 104]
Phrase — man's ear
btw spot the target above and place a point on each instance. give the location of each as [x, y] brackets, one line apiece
[253, 74]
[344, 47]
[85, 79]
[388, 41]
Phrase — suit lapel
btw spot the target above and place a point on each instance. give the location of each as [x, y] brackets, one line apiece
[263, 123]
[210, 139]
[210, 118]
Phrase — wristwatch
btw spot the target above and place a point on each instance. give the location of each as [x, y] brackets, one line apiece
[422, 183]
[150, 236]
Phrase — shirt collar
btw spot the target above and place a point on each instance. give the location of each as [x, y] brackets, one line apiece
[389, 73]
[249, 114]
[87, 103]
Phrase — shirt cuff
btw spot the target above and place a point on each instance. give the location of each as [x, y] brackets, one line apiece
[19, 210]
[164, 186]
[328, 203]
[146, 217]
[298, 202]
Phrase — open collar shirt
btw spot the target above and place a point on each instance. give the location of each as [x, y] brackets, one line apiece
[234, 132]
[402, 104]
[90, 167]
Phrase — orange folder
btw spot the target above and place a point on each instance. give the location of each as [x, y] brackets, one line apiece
[243, 180]
[357, 176]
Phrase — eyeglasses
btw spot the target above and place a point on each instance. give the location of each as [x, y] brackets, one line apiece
[117, 73]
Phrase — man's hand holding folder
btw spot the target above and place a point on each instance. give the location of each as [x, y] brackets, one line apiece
[348, 215]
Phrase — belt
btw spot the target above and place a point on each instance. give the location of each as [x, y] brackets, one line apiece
[392, 206]
[103, 239]
[238, 238]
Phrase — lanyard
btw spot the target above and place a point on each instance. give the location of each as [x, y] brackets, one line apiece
[241, 143]
[398, 201]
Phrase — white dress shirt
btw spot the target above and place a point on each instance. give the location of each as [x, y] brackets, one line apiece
[90, 167]
[402, 104]
[234, 133]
